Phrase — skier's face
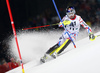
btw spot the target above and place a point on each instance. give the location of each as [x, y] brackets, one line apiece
[71, 15]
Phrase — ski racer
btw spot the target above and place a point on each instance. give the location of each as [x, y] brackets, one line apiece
[72, 23]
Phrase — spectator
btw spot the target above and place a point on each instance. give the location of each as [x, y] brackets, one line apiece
[14, 64]
[18, 61]
[4, 67]
[7, 65]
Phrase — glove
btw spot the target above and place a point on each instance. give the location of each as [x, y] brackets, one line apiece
[91, 36]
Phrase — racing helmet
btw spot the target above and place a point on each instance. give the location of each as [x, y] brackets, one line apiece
[70, 11]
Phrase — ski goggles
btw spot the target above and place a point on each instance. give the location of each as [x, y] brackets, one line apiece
[70, 11]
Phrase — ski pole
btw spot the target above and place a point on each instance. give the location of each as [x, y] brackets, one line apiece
[62, 23]
[97, 35]
[40, 26]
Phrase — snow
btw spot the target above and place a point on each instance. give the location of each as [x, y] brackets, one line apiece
[83, 59]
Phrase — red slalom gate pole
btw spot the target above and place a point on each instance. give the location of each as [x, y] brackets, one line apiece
[14, 31]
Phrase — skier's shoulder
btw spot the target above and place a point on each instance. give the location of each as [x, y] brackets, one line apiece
[78, 16]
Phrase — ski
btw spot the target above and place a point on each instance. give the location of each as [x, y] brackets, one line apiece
[51, 57]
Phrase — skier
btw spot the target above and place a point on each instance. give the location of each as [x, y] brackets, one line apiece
[72, 23]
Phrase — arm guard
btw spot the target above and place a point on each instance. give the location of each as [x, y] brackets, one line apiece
[66, 22]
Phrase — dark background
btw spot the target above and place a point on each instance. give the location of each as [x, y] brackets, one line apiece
[30, 13]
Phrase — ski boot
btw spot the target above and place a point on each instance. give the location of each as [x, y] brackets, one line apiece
[44, 58]
[54, 55]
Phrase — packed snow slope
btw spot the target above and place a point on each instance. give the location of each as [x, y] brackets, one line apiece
[83, 59]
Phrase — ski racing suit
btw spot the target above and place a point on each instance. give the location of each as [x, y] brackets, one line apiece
[72, 29]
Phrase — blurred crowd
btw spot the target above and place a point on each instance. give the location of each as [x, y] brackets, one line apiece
[6, 66]
[89, 10]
